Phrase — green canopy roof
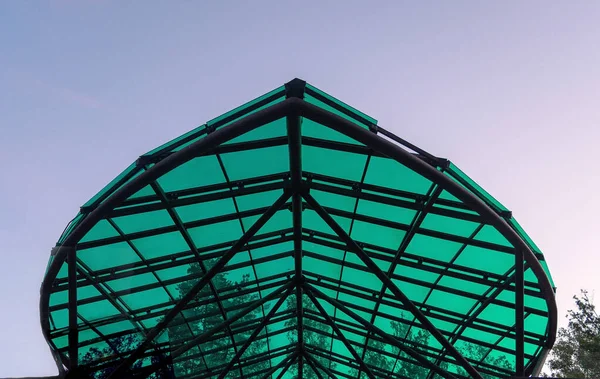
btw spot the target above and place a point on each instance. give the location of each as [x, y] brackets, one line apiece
[293, 236]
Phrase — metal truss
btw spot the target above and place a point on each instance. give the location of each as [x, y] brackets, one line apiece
[295, 189]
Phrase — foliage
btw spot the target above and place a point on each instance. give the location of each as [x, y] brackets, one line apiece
[479, 353]
[119, 346]
[373, 357]
[311, 338]
[576, 354]
[194, 321]
[417, 338]
[215, 353]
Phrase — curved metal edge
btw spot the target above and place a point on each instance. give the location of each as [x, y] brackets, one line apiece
[216, 138]
[397, 153]
[332, 121]
[537, 367]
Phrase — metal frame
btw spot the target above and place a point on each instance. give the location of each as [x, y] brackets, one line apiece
[297, 186]
[295, 89]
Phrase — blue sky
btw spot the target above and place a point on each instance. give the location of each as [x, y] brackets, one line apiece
[507, 90]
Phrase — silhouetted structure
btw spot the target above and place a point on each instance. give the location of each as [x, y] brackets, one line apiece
[294, 237]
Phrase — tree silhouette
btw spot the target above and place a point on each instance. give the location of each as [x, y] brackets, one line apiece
[576, 353]
[102, 361]
[213, 355]
[417, 338]
[216, 353]
[311, 337]
[479, 353]
[210, 356]
[403, 332]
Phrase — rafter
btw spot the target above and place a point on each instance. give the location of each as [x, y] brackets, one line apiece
[199, 285]
[341, 336]
[192, 246]
[451, 195]
[284, 364]
[253, 336]
[283, 291]
[177, 259]
[389, 339]
[391, 286]
[318, 364]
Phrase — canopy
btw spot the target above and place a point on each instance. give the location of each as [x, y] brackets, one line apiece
[294, 237]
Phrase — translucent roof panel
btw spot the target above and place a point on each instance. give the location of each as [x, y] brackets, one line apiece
[293, 236]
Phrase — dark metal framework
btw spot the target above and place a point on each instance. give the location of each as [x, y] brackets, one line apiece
[296, 187]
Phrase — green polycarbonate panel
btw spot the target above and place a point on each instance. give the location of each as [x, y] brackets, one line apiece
[388, 173]
[469, 183]
[243, 110]
[524, 235]
[271, 130]
[193, 134]
[70, 228]
[338, 104]
[141, 257]
[111, 186]
[532, 246]
[334, 163]
[313, 129]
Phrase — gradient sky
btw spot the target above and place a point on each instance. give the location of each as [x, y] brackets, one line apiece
[509, 91]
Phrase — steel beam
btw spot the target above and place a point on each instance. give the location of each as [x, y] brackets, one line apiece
[108, 294]
[251, 261]
[295, 89]
[219, 188]
[393, 151]
[201, 283]
[313, 367]
[339, 146]
[353, 246]
[207, 334]
[405, 143]
[422, 283]
[326, 100]
[73, 331]
[341, 336]
[227, 324]
[425, 350]
[350, 229]
[253, 336]
[115, 199]
[159, 282]
[168, 282]
[174, 228]
[387, 337]
[207, 128]
[183, 231]
[173, 260]
[179, 199]
[287, 366]
[433, 194]
[319, 365]
[268, 355]
[294, 137]
[435, 312]
[285, 363]
[361, 193]
[422, 231]
[519, 314]
[417, 261]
